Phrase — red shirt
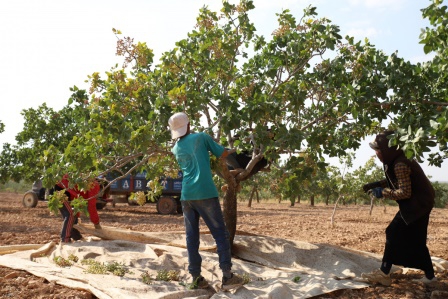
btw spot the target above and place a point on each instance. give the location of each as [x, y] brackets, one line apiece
[75, 193]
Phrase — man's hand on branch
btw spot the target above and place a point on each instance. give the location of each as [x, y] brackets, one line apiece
[227, 152]
[231, 151]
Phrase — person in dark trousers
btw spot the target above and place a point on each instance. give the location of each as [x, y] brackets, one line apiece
[406, 235]
[199, 198]
[68, 232]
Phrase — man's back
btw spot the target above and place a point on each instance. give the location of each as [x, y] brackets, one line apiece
[192, 155]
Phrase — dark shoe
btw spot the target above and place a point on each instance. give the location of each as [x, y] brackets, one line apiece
[75, 234]
[97, 226]
[198, 282]
[233, 282]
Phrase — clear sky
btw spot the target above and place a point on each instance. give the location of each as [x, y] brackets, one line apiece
[50, 45]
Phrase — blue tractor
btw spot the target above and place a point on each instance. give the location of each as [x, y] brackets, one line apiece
[167, 203]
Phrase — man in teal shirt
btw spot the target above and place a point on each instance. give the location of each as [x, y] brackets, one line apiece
[199, 198]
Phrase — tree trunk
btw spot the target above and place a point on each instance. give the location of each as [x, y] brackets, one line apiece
[229, 208]
[327, 200]
[334, 210]
[298, 198]
[312, 200]
[258, 197]
[249, 204]
[230, 211]
[372, 199]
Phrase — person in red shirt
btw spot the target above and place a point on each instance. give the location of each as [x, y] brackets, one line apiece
[69, 218]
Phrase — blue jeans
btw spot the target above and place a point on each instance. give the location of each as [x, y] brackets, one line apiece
[210, 211]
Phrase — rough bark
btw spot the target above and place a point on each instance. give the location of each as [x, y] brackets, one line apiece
[230, 211]
[249, 204]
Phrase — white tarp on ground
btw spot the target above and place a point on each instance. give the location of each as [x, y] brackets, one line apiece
[271, 263]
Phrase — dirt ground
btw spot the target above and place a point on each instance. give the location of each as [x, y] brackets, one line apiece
[353, 228]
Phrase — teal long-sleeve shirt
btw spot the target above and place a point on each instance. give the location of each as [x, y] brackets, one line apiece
[192, 155]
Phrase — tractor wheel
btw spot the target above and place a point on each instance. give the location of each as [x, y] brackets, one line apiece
[166, 205]
[30, 199]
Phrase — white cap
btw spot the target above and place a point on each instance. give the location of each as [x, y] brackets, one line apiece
[178, 124]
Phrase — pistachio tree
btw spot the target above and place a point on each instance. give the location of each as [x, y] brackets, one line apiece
[303, 91]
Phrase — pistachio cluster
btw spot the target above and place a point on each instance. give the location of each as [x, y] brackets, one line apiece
[62, 262]
[167, 275]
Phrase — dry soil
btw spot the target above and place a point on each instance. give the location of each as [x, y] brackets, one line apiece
[353, 227]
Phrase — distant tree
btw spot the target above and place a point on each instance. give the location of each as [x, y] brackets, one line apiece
[44, 130]
[441, 199]
[367, 173]
[328, 183]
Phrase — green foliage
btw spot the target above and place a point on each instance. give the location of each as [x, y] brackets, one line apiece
[55, 201]
[419, 92]
[62, 262]
[80, 206]
[441, 199]
[434, 39]
[146, 278]
[368, 173]
[44, 130]
[138, 197]
[95, 267]
[156, 188]
[116, 268]
[246, 278]
[73, 258]
[296, 279]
